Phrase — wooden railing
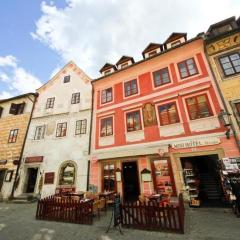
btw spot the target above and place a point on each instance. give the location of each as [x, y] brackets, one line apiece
[65, 210]
[154, 216]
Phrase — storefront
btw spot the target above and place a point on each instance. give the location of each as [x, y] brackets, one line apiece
[187, 166]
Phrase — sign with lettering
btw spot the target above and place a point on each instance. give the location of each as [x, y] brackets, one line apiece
[196, 143]
[49, 178]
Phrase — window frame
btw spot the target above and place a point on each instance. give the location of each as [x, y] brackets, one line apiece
[50, 103]
[125, 85]
[68, 77]
[162, 84]
[186, 66]
[177, 113]
[1, 111]
[102, 176]
[140, 118]
[233, 67]
[208, 104]
[43, 132]
[61, 135]
[105, 119]
[107, 101]
[75, 98]
[12, 138]
[80, 129]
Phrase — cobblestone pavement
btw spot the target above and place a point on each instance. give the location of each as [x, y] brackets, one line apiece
[17, 222]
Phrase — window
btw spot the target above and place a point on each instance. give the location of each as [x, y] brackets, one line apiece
[66, 79]
[39, 132]
[168, 114]
[1, 110]
[106, 95]
[107, 72]
[224, 28]
[13, 136]
[61, 129]
[108, 177]
[17, 109]
[134, 121]
[161, 77]
[237, 105]
[198, 107]
[175, 43]
[67, 174]
[106, 127]
[81, 127]
[187, 68]
[152, 53]
[230, 64]
[75, 98]
[130, 87]
[124, 65]
[50, 103]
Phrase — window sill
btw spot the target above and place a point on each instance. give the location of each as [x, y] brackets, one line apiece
[134, 136]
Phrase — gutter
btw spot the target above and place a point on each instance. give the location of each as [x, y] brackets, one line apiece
[222, 98]
[90, 138]
[23, 146]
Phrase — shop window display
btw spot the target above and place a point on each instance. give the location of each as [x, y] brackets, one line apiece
[162, 178]
[67, 174]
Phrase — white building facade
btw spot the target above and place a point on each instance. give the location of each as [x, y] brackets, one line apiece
[55, 157]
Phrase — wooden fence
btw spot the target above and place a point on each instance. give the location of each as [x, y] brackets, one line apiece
[154, 217]
[65, 210]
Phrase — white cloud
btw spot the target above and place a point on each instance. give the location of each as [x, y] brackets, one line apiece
[4, 95]
[15, 79]
[93, 32]
[8, 61]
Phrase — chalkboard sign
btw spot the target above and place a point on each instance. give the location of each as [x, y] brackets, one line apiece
[117, 210]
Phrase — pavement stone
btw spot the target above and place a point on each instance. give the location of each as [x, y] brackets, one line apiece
[17, 222]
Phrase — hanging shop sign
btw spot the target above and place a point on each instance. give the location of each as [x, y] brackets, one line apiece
[3, 162]
[146, 175]
[196, 143]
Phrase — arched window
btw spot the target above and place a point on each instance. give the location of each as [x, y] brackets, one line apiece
[67, 174]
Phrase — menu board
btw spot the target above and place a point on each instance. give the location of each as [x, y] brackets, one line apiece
[162, 177]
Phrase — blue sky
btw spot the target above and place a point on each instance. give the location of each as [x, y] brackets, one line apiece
[38, 38]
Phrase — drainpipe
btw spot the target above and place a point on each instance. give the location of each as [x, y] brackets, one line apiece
[90, 139]
[223, 99]
[24, 142]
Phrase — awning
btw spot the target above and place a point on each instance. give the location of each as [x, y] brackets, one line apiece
[35, 159]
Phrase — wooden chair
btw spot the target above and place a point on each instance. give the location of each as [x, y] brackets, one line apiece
[95, 210]
[102, 204]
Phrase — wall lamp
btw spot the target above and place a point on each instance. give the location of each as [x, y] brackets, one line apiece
[225, 118]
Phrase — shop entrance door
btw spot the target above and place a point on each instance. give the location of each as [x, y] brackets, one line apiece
[204, 181]
[130, 181]
[31, 179]
[2, 175]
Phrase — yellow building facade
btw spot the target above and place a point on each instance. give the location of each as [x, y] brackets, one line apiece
[223, 51]
[15, 115]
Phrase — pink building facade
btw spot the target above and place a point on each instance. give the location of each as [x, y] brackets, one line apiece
[156, 118]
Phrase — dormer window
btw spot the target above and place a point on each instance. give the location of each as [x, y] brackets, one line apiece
[152, 53]
[175, 39]
[66, 79]
[175, 43]
[124, 65]
[107, 72]
[17, 109]
[124, 62]
[152, 49]
[107, 69]
[224, 28]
